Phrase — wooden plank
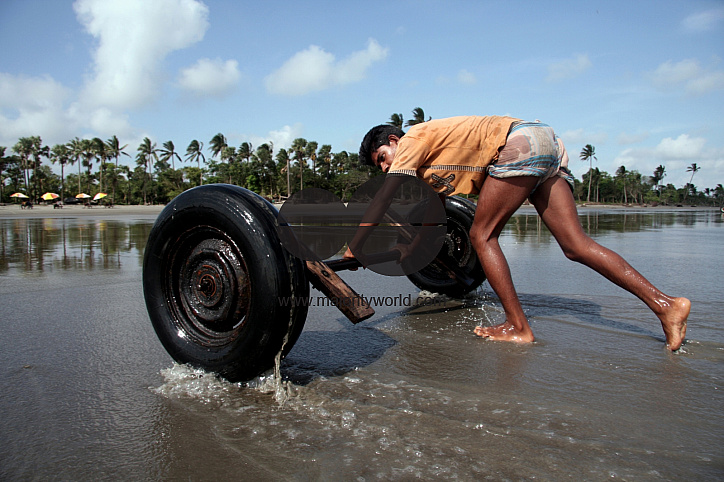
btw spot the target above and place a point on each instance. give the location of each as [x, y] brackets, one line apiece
[351, 304]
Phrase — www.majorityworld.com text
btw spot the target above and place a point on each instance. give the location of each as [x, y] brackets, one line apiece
[399, 300]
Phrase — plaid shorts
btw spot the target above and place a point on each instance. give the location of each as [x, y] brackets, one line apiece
[532, 149]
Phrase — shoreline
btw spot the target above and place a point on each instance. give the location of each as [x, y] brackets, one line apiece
[10, 211]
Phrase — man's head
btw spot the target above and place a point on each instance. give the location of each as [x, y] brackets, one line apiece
[379, 146]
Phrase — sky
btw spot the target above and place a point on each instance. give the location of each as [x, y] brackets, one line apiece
[642, 81]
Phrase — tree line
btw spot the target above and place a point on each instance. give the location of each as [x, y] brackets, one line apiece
[159, 173]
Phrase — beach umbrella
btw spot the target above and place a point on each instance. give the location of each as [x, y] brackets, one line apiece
[49, 196]
[20, 195]
[100, 195]
[82, 196]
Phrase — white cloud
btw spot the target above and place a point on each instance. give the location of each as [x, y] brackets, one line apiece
[465, 77]
[676, 154]
[281, 138]
[134, 36]
[314, 69]
[210, 78]
[32, 106]
[688, 75]
[704, 21]
[568, 68]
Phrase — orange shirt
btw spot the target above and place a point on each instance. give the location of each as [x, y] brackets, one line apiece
[451, 154]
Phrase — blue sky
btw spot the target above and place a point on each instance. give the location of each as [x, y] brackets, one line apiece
[643, 81]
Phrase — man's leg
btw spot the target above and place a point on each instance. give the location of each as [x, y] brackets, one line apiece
[498, 200]
[554, 202]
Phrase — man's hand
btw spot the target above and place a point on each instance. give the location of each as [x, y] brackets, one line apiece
[404, 249]
[348, 255]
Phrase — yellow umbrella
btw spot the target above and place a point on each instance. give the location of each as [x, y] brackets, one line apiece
[19, 194]
[82, 196]
[48, 196]
[100, 195]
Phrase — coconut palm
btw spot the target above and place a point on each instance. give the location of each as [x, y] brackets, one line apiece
[99, 151]
[115, 150]
[284, 159]
[169, 152]
[146, 153]
[621, 173]
[693, 169]
[298, 146]
[310, 152]
[60, 154]
[24, 149]
[3, 161]
[588, 153]
[396, 120]
[218, 144]
[76, 152]
[87, 153]
[245, 151]
[418, 117]
[194, 152]
[659, 175]
[229, 155]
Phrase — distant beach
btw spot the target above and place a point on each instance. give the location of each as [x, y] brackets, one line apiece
[11, 210]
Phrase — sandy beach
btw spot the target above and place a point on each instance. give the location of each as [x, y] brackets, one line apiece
[77, 210]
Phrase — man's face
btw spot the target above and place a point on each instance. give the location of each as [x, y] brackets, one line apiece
[384, 155]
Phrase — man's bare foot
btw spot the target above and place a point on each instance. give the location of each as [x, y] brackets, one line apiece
[673, 321]
[505, 332]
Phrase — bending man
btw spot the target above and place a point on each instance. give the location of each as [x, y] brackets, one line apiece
[504, 161]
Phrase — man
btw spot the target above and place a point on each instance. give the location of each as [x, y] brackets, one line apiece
[504, 161]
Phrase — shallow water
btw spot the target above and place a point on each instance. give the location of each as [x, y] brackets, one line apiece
[87, 391]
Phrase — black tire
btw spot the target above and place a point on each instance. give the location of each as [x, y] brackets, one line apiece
[457, 250]
[214, 273]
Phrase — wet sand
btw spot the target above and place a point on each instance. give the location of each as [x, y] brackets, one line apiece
[88, 392]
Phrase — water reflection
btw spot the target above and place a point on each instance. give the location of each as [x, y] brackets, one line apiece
[40, 245]
[597, 222]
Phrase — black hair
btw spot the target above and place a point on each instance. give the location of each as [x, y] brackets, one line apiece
[376, 137]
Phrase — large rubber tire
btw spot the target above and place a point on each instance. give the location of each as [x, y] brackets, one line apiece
[456, 250]
[219, 286]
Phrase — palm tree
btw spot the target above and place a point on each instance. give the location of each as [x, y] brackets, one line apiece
[588, 153]
[282, 157]
[87, 152]
[229, 154]
[76, 152]
[60, 154]
[3, 160]
[693, 169]
[114, 150]
[24, 149]
[298, 146]
[659, 175]
[396, 120]
[245, 151]
[194, 152]
[418, 117]
[146, 152]
[169, 152]
[218, 144]
[310, 152]
[99, 150]
[621, 173]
